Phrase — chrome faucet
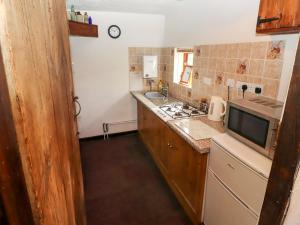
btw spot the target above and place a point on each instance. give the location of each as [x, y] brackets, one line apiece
[165, 91]
[149, 82]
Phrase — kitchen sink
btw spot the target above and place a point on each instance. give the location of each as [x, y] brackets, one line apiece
[154, 95]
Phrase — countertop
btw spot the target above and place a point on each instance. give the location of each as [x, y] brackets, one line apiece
[203, 145]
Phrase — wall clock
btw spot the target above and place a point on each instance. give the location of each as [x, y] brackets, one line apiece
[114, 31]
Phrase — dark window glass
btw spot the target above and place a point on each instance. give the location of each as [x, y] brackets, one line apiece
[249, 126]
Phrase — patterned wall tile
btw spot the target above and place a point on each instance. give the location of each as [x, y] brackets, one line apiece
[232, 51]
[257, 63]
[242, 66]
[275, 50]
[273, 69]
[244, 50]
[256, 67]
[231, 65]
[259, 50]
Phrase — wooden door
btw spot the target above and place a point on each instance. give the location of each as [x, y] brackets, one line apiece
[278, 16]
[269, 9]
[154, 133]
[187, 170]
[147, 126]
[164, 151]
[3, 220]
[141, 125]
[184, 171]
[290, 14]
[39, 115]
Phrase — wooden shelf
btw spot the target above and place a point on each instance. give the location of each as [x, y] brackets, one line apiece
[83, 29]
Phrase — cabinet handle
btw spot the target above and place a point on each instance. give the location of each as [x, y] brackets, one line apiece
[266, 20]
[75, 99]
[169, 145]
[230, 166]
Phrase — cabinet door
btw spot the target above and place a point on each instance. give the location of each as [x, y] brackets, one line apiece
[278, 16]
[155, 134]
[146, 126]
[269, 9]
[185, 171]
[164, 150]
[149, 128]
[140, 115]
[222, 208]
[290, 14]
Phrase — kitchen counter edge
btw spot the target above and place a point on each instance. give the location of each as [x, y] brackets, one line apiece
[202, 146]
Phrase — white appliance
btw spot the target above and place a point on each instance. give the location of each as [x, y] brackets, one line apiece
[236, 183]
[150, 67]
[217, 108]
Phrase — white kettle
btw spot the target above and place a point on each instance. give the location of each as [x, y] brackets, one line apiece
[217, 108]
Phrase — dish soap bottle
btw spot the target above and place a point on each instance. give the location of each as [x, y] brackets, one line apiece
[160, 85]
[90, 20]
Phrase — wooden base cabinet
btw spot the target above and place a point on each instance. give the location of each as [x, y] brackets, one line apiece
[183, 167]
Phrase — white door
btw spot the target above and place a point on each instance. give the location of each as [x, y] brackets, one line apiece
[222, 208]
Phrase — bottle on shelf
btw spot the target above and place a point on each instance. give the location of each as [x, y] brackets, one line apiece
[86, 18]
[79, 17]
[90, 20]
[72, 13]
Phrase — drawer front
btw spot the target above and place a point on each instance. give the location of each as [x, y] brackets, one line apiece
[222, 208]
[244, 182]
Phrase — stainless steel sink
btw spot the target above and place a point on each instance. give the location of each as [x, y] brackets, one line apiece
[154, 95]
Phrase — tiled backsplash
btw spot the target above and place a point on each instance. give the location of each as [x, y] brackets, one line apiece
[258, 63]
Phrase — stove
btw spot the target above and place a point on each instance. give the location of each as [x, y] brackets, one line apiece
[180, 110]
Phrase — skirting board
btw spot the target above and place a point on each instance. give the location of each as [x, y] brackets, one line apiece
[102, 136]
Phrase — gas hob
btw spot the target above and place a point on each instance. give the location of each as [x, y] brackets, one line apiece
[180, 110]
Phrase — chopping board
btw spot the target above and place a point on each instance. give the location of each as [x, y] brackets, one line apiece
[196, 129]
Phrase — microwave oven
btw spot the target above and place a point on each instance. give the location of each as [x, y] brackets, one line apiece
[255, 122]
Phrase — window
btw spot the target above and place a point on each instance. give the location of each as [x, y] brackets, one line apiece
[183, 66]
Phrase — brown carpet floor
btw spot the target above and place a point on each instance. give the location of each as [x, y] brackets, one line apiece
[124, 187]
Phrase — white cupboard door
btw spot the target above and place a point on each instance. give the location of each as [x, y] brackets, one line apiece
[222, 208]
[247, 184]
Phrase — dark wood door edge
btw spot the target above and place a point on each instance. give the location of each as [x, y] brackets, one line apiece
[12, 182]
[287, 155]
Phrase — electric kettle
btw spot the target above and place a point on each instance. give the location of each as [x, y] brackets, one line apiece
[217, 108]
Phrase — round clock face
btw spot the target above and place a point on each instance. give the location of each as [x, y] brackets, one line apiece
[114, 31]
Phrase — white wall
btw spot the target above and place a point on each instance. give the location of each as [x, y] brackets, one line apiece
[101, 64]
[101, 69]
[194, 22]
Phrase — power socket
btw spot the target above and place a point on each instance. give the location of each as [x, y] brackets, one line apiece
[239, 85]
[259, 86]
[251, 86]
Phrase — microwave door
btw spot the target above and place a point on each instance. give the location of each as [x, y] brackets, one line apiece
[248, 128]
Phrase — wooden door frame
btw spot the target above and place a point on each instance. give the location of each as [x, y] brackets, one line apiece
[12, 181]
[286, 158]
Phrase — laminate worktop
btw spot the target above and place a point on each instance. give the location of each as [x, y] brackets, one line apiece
[202, 145]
